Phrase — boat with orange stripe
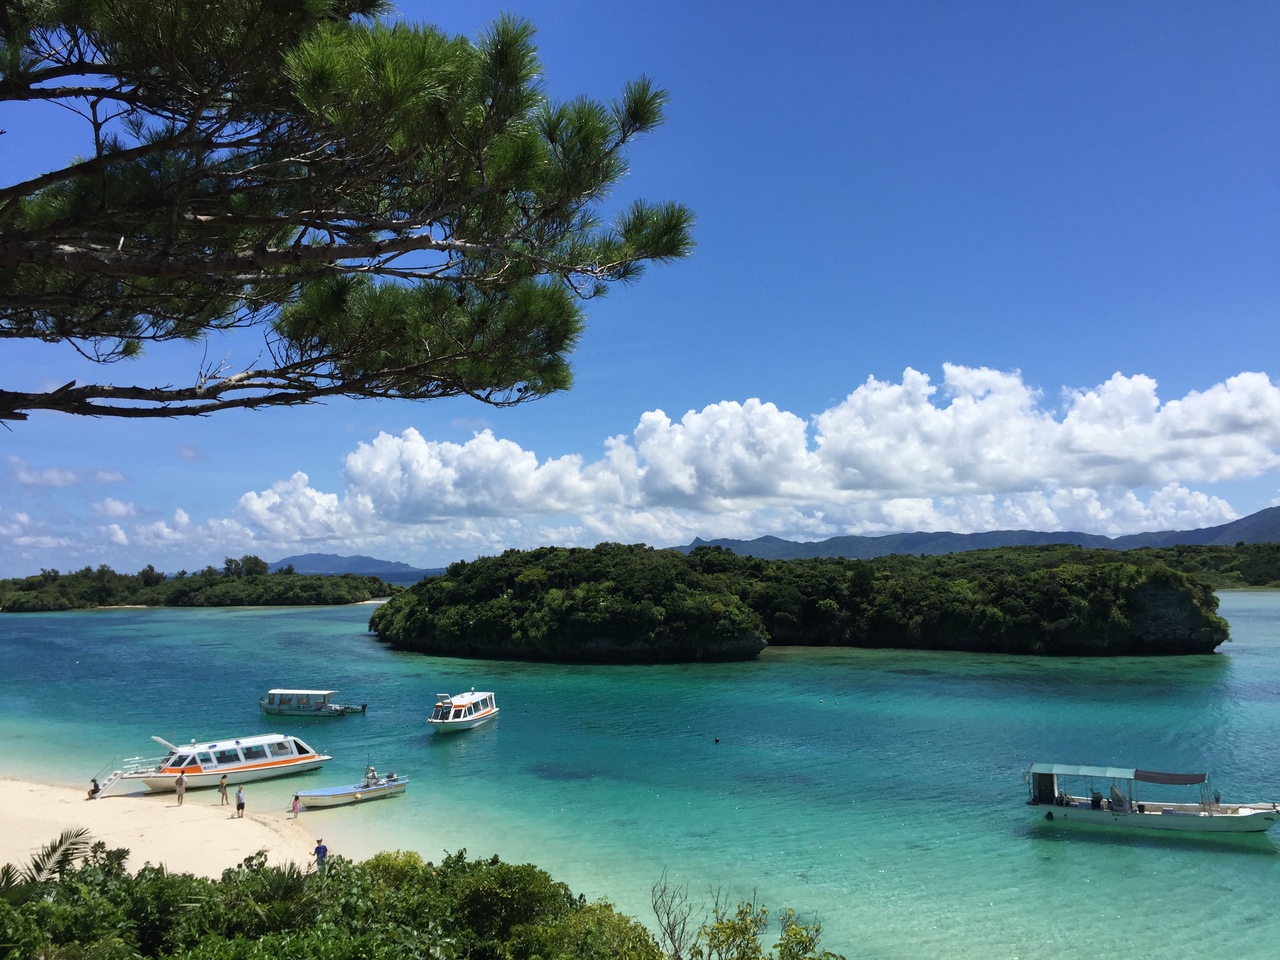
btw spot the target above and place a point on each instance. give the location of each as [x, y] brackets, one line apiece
[258, 757]
[462, 711]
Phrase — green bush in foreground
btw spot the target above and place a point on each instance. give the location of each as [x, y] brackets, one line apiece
[75, 901]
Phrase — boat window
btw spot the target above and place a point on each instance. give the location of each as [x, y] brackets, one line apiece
[280, 748]
[254, 753]
[304, 701]
[182, 761]
[204, 759]
[301, 747]
[227, 756]
[271, 698]
[457, 713]
[286, 701]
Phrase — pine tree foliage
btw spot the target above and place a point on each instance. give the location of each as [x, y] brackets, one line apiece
[402, 213]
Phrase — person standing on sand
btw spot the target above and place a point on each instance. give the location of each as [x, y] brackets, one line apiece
[222, 791]
[240, 801]
[320, 852]
[180, 785]
[295, 806]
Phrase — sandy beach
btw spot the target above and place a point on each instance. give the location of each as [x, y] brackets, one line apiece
[200, 837]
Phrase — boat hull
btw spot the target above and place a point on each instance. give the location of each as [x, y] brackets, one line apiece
[331, 710]
[163, 783]
[455, 726]
[353, 793]
[1241, 819]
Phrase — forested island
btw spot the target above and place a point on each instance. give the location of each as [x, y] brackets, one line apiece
[240, 583]
[619, 603]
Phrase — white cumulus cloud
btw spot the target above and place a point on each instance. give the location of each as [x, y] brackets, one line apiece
[979, 450]
[111, 507]
[49, 477]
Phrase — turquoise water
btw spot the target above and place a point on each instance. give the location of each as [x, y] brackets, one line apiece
[879, 792]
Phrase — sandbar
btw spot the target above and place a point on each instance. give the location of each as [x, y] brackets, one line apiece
[200, 837]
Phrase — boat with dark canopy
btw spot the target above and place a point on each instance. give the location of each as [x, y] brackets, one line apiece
[1122, 806]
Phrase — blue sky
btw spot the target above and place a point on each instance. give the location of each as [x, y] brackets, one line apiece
[959, 266]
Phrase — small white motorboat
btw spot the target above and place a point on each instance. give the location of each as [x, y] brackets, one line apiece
[306, 703]
[462, 711]
[372, 787]
[205, 764]
[1123, 808]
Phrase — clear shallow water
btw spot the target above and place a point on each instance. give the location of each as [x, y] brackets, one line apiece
[879, 792]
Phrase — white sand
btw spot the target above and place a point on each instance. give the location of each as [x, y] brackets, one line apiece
[199, 837]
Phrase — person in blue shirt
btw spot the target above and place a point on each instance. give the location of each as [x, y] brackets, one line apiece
[321, 852]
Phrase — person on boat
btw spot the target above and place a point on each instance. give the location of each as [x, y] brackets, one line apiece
[222, 790]
[240, 801]
[320, 852]
[94, 790]
[180, 785]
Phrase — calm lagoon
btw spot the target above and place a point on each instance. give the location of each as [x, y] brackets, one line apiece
[879, 792]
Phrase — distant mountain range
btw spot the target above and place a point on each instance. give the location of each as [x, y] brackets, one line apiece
[331, 564]
[1260, 527]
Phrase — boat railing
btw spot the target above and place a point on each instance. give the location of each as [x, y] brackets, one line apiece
[141, 764]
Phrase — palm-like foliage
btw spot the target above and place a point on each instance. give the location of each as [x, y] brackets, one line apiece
[50, 863]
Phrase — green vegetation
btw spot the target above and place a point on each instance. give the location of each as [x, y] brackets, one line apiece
[1224, 568]
[241, 583]
[612, 603]
[399, 212]
[617, 603]
[78, 900]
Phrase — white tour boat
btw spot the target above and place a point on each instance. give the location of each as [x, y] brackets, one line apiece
[204, 764]
[462, 711]
[372, 787]
[1122, 806]
[306, 703]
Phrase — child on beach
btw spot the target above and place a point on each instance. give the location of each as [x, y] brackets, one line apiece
[295, 806]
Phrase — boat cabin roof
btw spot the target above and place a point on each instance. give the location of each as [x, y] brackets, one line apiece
[254, 741]
[303, 693]
[1120, 773]
[462, 699]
